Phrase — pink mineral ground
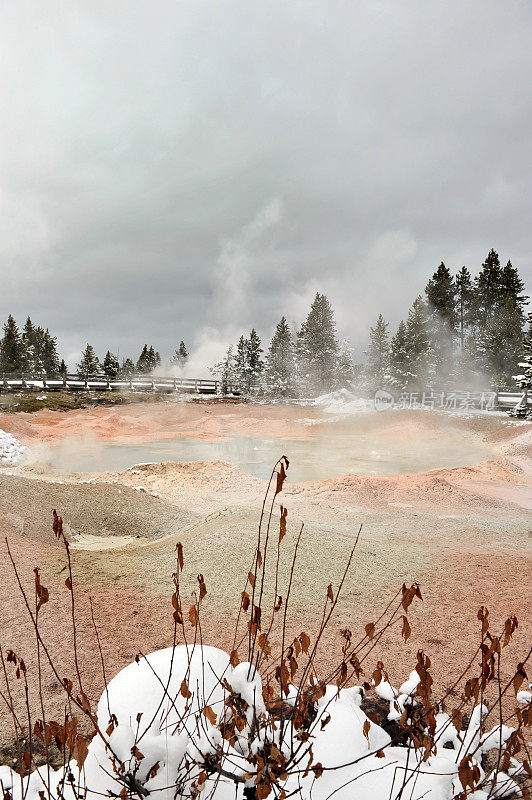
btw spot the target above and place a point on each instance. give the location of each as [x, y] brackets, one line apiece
[462, 533]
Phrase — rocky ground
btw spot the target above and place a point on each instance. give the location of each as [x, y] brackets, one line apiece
[462, 533]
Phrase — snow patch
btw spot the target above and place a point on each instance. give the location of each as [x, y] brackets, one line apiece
[11, 450]
[343, 402]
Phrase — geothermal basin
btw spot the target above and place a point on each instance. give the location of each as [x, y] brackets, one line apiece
[444, 500]
[331, 449]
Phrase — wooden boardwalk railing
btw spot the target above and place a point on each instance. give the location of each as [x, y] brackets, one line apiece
[505, 398]
[97, 383]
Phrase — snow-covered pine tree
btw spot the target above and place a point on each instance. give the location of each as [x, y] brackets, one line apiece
[32, 347]
[180, 356]
[224, 372]
[513, 287]
[89, 364]
[240, 365]
[524, 378]
[11, 350]
[255, 363]
[487, 291]
[418, 349]
[441, 292]
[345, 370]
[111, 365]
[500, 342]
[38, 352]
[463, 303]
[28, 349]
[399, 367]
[49, 356]
[499, 318]
[143, 362]
[153, 359]
[317, 348]
[280, 369]
[377, 356]
[128, 368]
[33, 364]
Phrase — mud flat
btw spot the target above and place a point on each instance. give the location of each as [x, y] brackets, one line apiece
[462, 533]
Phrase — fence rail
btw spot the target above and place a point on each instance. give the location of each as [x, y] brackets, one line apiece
[504, 398]
[94, 383]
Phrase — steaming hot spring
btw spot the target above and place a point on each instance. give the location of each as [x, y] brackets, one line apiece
[443, 500]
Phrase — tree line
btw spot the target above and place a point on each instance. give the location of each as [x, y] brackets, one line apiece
[463, 329]
[33, 350]
[309, 363]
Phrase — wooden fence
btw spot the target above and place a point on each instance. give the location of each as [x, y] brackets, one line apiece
[97, 383]
[503, 397]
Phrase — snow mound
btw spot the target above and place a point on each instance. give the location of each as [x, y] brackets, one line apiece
[11, 450]
[166, 717]
[343, 402]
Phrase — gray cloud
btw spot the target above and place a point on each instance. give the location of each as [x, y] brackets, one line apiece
[187, 169]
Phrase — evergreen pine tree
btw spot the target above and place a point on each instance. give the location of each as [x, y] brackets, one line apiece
[524, 378]
[464, 303]
[32, 347]
[500, 343]
[89, 364]
[143, 362]
[180, 356]
[399, 366]
[377, 355]
[255, 364]
[11, 349]
[63, 368]
[280, 370]
[317, 348]
[28, 349]
[152, 359]
[128, 368]
[499, 317]
[49, 356]
[487, 290]
[418, 349]
[345, 370]
[241, 366]
[111, 365]
[224, 372]
[440, 292]
[513, 287]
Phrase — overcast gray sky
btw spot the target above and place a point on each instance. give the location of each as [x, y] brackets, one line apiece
[188, 169]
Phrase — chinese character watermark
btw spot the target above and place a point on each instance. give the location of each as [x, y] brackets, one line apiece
[436, 400]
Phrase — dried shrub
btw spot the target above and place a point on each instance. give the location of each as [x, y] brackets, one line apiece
[253, 718]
